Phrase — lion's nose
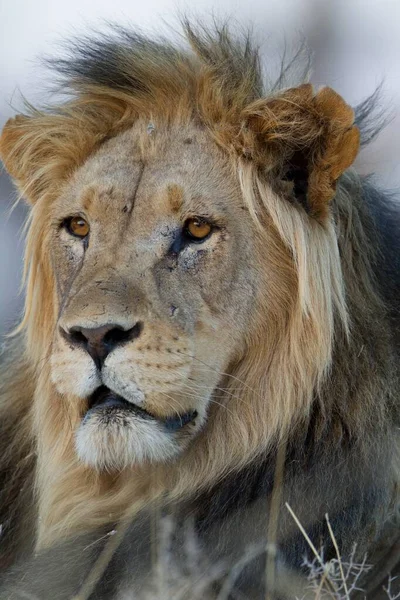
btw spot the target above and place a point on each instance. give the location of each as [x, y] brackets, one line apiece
[100, 341]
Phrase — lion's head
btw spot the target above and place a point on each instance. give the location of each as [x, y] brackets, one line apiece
[157, 286]
[183, 269]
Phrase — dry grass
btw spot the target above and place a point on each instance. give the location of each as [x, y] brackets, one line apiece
[188, 574]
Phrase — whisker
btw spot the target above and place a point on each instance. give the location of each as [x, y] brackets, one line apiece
[174, 401]
[222, 373]
[212, 400]
[225, 391]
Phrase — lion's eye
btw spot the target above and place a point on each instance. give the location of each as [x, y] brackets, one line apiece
[197, 229]
[77, 226]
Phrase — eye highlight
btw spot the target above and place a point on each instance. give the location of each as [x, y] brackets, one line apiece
[197, 229]
[77, 226]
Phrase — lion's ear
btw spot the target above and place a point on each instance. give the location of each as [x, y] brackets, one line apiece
[30, 151]
[16, 151]
[40, 151]
[305, 140]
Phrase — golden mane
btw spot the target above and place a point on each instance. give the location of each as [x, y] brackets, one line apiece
[298, 360]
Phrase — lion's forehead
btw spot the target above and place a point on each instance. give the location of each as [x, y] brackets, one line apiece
[126, 173]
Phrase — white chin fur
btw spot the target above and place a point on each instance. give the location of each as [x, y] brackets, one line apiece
[123, 442]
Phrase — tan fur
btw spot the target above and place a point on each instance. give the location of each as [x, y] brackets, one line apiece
[251, 369]
[175, 197]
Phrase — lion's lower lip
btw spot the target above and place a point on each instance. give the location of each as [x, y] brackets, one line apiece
[104, 399]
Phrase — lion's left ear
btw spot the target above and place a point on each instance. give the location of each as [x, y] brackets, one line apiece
[305, 141]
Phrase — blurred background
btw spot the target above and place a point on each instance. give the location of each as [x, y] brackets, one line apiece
[356, 46]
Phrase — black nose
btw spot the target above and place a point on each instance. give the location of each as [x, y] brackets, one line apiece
[100, 341]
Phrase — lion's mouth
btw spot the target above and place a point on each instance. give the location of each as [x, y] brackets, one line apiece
[105, 400]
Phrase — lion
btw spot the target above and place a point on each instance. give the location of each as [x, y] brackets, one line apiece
[212, 308]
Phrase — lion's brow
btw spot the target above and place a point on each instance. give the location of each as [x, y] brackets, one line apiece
[175, 196]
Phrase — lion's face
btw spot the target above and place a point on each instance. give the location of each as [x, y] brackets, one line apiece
[155, 280]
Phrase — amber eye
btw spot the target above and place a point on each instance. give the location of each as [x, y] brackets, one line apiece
[197, 229]
[78, 226]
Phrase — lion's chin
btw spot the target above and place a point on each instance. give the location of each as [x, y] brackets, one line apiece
[114, 434]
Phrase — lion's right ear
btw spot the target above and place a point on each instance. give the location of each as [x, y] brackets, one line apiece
[18, 154]
[40, 151]
[33, 155]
